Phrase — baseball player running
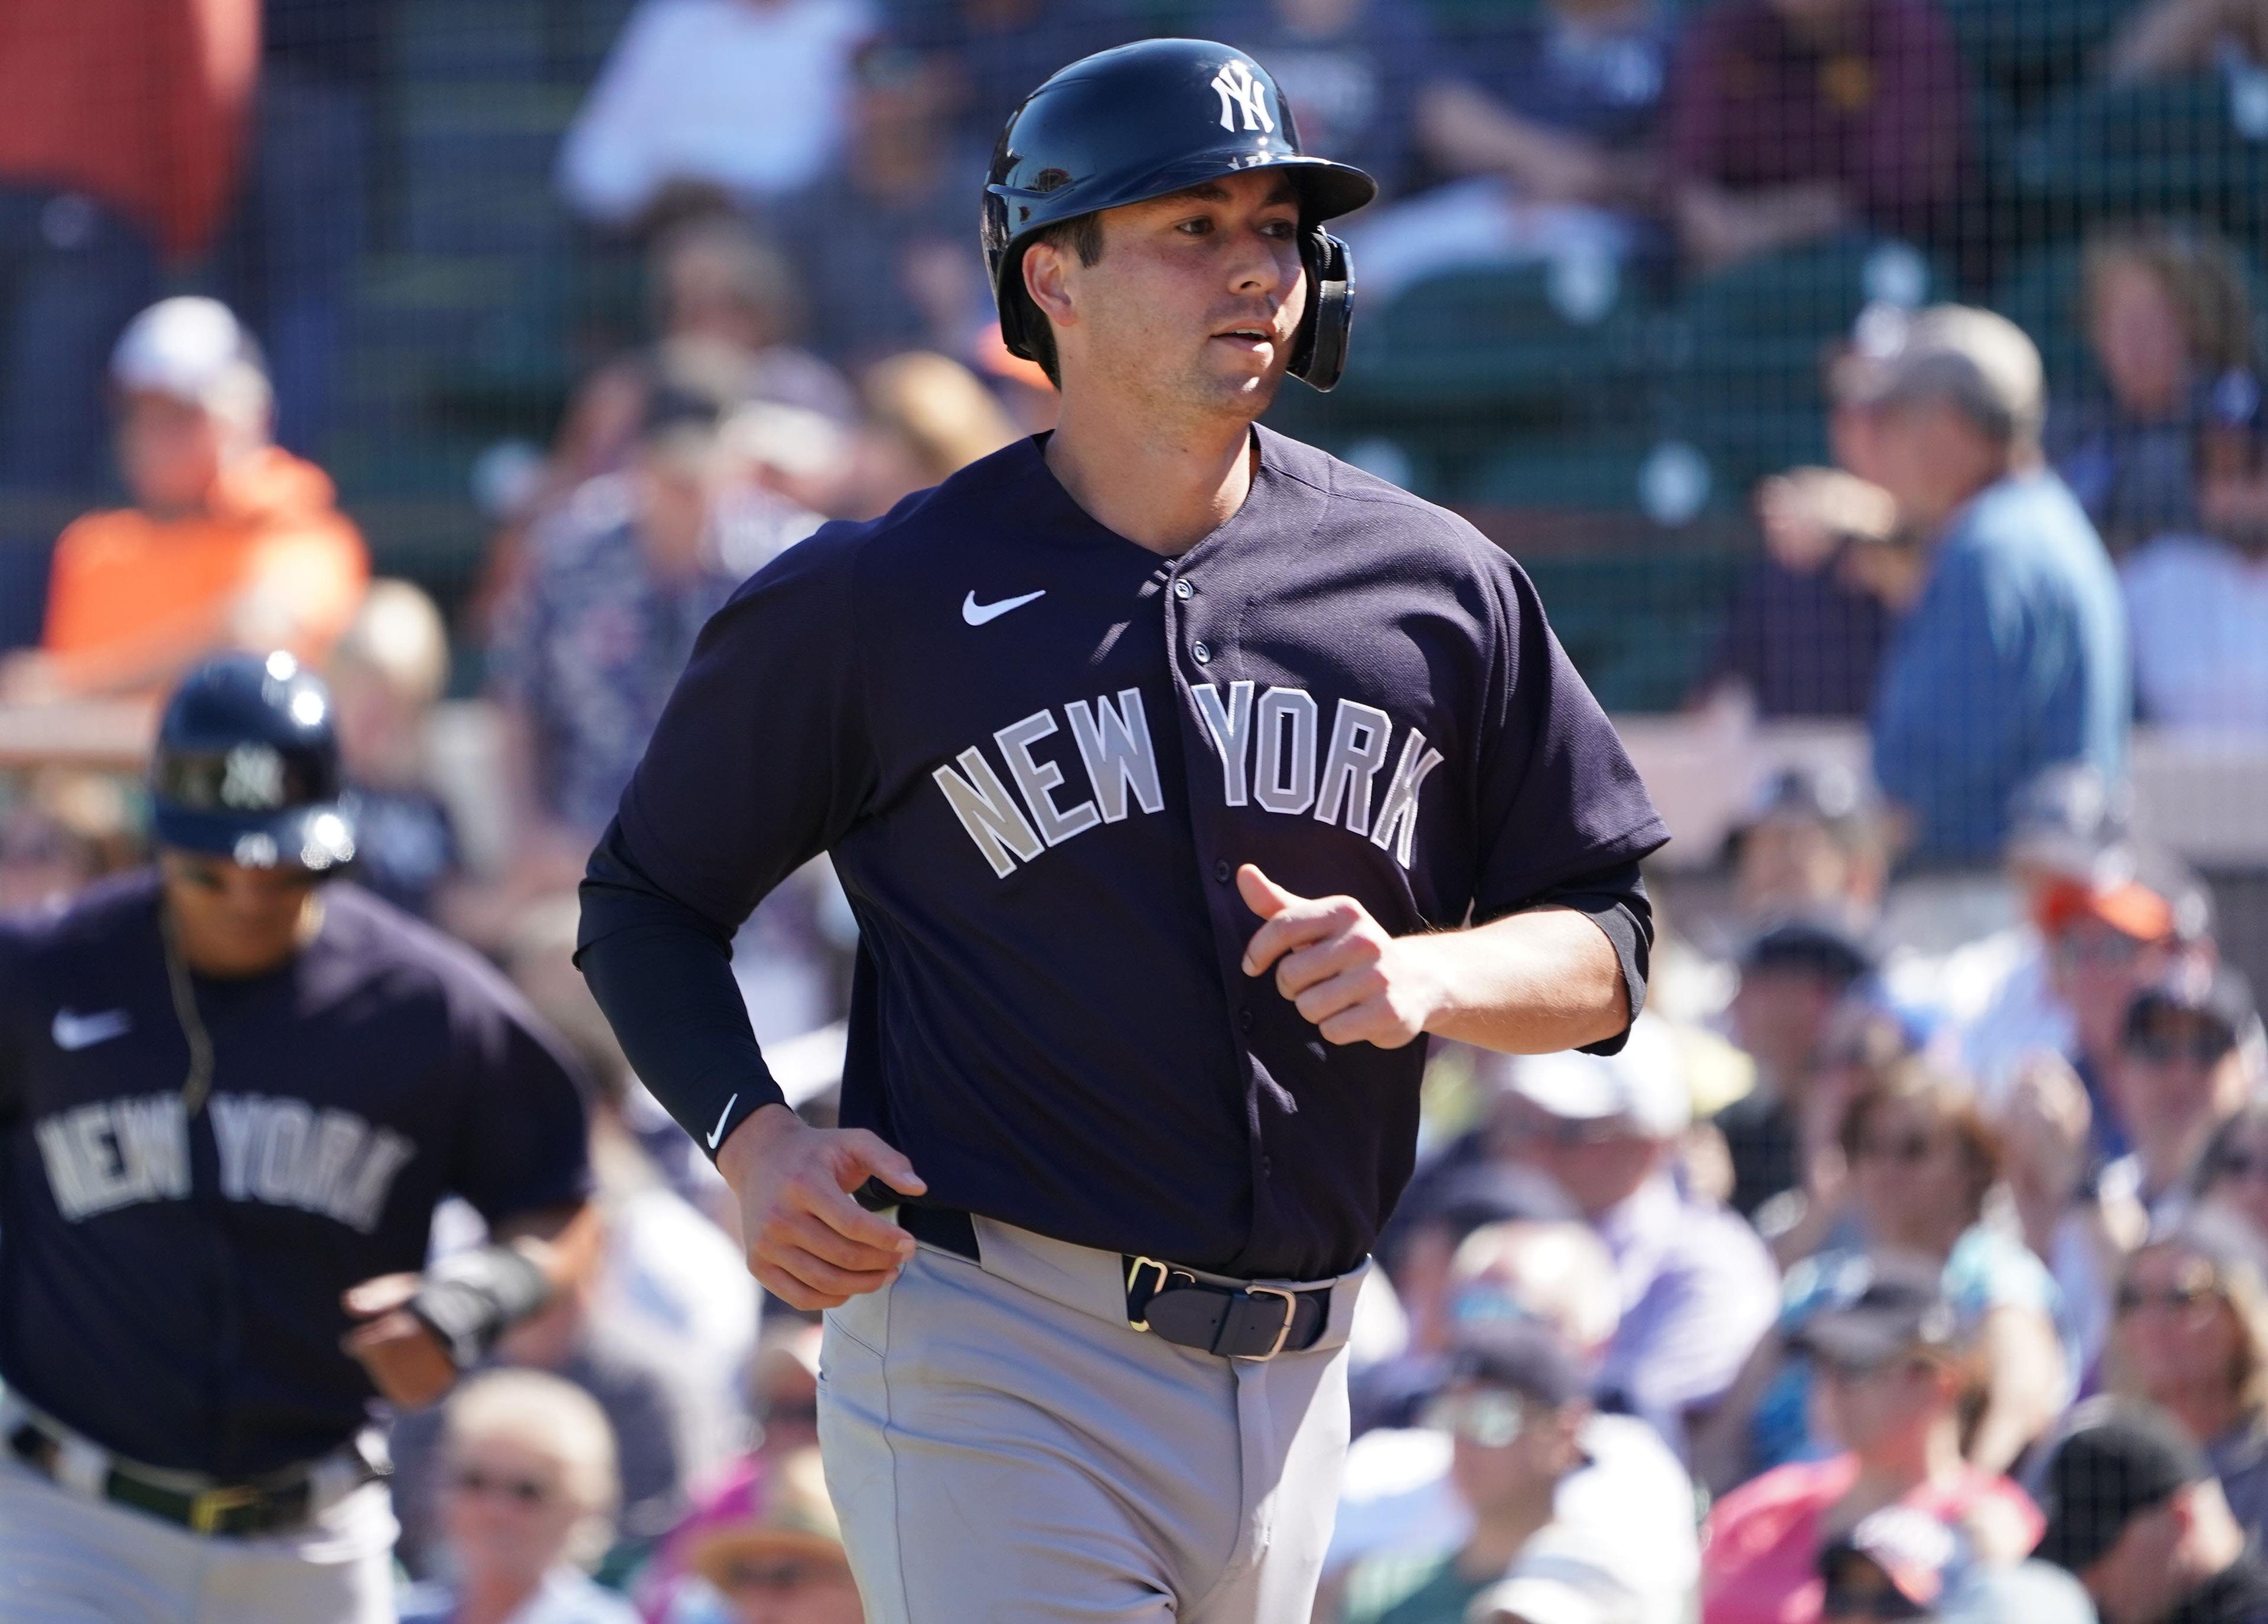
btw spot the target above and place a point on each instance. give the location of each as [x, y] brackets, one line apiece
[231, 1096]
[1182, 778]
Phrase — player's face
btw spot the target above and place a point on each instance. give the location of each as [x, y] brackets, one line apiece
[234, 920]
[1192, 308]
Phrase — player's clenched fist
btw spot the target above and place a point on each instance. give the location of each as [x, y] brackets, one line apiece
[808, 1243]
[1338, 964]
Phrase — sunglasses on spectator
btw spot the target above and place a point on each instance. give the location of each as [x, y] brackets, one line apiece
[2203, 1048]
[785, 1575]
[2109, 951]
[1571, 1132]
[1490, 1417]
[2132, 1299]
[1910, 1148]
[525, 1491]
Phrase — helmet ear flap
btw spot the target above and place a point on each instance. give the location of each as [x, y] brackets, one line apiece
[1319, 351]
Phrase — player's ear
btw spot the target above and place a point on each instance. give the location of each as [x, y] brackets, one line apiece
[1047, 277]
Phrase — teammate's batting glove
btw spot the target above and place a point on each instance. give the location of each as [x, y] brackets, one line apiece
[469, 1299]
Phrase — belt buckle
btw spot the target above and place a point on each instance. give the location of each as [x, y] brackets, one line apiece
[1291, 1312]
[207, 1510]
[1133, 1274]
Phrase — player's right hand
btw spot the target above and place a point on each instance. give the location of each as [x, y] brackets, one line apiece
[808, 1243]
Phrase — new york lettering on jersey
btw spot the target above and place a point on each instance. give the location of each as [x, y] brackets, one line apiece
[1269, 756]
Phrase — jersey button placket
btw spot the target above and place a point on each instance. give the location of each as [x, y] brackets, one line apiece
[1200, 652]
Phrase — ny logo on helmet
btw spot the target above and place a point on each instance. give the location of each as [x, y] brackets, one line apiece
[253, 778]
[1240, 89]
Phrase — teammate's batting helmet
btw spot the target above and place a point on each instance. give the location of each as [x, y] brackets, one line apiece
[247, 766]
[1126, 125]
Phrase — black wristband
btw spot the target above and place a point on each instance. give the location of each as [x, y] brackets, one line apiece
[471, 1298]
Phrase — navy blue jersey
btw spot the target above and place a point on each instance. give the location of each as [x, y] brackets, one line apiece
[1038, 753]
[169, 1282]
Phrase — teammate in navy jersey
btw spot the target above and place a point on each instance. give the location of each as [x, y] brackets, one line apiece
[230, 1097]
[1182, 778]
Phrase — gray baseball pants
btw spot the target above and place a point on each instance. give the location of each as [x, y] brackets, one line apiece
[1002, 1448]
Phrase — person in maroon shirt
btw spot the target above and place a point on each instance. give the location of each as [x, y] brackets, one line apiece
[1794, 118]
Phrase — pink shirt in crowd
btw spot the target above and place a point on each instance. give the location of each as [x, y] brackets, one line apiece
[1760, 1547]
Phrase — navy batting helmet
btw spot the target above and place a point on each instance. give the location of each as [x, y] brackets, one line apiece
[247, 766]
[1133, 123]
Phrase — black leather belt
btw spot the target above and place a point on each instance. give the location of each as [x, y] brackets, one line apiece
[238, 1510]
[1236, 1322]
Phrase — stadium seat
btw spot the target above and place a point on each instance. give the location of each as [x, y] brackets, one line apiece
[2195, 146]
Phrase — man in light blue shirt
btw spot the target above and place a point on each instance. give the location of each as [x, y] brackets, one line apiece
[2015, 657]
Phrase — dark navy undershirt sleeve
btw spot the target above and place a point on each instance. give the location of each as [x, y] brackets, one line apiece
[759, 762]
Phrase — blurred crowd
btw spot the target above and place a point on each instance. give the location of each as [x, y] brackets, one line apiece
[1889, 1272]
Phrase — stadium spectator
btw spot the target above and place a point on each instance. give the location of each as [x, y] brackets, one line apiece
[122, 125]
[882, 243]
[1811, 847]
[2189, 1058]
[617, 585]
[386, 674]
[2169, 319]
[927, 417]
[727, 303]
[2197, 592]
[1514, 1409]
[1812, 616]
[2014, 657]
[1896, 1365]
[289, 255]
[1353, 72]
[2109, 938]
[662, 1416]
[1793, 119]
[527, 1500]
[2192, 1339]
[984, 56]
[1922, 1160]
[61, 830]
[1697, 1288]
[232, 542]
[1547, 121]
[1792, 978]
[2232, 1175]
[709, 102]
[780, 1561]
[2141, 1521]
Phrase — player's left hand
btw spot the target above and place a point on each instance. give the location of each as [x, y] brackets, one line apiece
[406, 1361]
[1338, 964]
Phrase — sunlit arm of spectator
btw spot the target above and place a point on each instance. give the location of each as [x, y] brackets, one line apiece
[2025, 1385]
[1473, 133]
[300, 598]
[1721, 228]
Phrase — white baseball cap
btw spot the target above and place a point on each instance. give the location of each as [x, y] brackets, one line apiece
[192, 349]
[1646, 1083]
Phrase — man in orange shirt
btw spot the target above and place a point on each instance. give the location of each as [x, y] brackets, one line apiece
[233, 542]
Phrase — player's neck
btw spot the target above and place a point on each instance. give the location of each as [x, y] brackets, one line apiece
[1163, 488]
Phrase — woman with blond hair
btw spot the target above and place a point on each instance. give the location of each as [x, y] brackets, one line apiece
[2191, 1337]
[528, 1496]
